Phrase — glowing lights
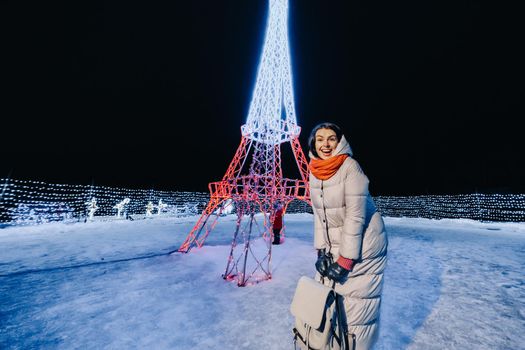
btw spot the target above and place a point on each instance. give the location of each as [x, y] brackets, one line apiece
[161, 206]
[121, 207]
[475, 206]
[256, 187]
[35, 202]
[273, 88]
[91, 208]
[228, 207]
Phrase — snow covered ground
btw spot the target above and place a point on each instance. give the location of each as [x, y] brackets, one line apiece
[449, 284]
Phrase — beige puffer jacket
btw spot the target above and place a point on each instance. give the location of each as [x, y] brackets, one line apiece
[343, 207]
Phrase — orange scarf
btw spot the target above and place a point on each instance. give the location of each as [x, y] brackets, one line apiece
[323, 169]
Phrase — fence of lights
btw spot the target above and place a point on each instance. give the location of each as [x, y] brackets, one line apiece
[476, 206]
[34, 202]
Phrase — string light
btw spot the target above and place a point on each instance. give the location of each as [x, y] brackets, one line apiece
[25, 202]
[149, 209]
[475, 206]
[92, 207]
[121, 207]
[273, 87]
[35, 202]
[161, 206]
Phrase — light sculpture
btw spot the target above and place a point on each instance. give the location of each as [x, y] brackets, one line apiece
[161, 206]
[121, 206]
[254, 180]
[149, 209]
[92, 207]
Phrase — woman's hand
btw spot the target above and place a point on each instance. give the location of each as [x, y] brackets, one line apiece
[324, 260]
[339, 270]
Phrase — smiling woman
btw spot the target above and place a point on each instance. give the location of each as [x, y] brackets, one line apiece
[349, 233]
[325, 143]
[324, 139]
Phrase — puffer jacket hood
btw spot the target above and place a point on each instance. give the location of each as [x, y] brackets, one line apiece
[343, 147]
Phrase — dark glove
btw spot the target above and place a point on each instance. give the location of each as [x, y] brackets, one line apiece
[338, 273]
[323, 262]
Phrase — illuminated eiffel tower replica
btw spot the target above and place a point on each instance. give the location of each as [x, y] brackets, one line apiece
[254, 181]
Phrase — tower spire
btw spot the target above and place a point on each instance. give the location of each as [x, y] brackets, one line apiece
[271, 116]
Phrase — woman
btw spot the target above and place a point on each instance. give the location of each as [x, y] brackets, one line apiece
[349, 233]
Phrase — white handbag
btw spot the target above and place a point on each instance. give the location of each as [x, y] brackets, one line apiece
[313, 306]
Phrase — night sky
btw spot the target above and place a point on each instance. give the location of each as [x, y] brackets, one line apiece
[153, 95]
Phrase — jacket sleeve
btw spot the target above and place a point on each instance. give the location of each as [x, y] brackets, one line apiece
[356, 193]
[319, 240]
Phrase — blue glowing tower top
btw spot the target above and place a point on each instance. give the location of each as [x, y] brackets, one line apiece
[271, 117]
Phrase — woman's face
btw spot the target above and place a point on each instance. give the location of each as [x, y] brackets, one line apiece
[325, 143]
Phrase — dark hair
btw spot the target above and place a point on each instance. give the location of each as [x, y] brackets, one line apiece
[325, 125]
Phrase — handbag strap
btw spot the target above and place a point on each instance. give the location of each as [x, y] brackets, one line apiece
[342, 326]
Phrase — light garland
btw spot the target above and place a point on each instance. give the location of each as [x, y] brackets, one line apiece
[161, 206]
[92, 207]
[475, 206]
[34, 202]
[149, 209]
[24, 202]
[267, 122]
[121, 207]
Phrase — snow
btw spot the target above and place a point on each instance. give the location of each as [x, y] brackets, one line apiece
[454, 284]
